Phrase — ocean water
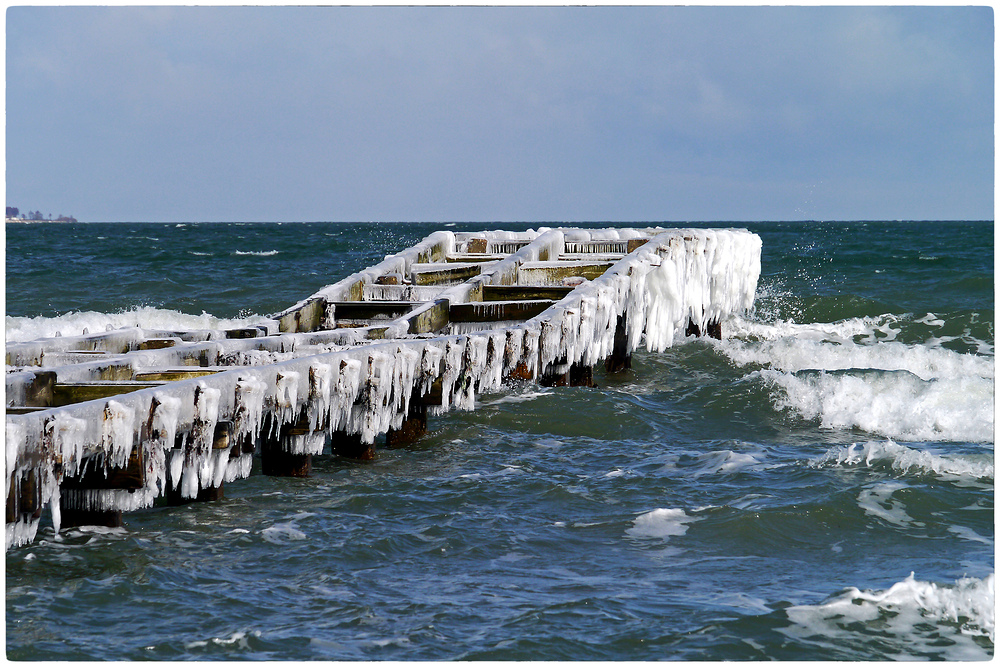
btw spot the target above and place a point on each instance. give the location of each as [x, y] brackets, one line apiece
[817, 485]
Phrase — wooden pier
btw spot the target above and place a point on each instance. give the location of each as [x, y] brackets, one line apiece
[107, 423]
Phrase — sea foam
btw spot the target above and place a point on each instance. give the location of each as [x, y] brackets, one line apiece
[904, 391]
[77, 323]
[662, 523]
[918, 618]
[909, 461]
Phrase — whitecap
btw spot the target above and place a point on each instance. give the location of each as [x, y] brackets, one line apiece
[910, 460]
[76, 323]
[914, 616]
[821, 371]
[282, 533]
[262, 253]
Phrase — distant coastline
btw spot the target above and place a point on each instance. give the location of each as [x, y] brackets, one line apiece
[14, 215]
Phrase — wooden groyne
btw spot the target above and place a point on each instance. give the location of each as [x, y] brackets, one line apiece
[107, 423]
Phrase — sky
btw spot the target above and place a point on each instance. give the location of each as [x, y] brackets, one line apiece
[545, 113]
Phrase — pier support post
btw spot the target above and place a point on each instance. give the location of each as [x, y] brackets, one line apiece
[275, 460]
[561, 374]
[350, 446]
[713, 329]
[581, 376]
[412, 429]
[175, 499]
[620, 359]
[71, 518]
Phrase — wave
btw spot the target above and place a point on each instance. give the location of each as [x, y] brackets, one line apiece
[917, 618]
[853, 374]
[909, 461]
[263, 253]
[21, 329]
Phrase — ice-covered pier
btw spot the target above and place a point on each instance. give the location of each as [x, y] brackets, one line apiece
[107, 423]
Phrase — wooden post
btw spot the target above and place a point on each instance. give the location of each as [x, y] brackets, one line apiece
[412, 429]
[275, 460]
[71, 518]
[350, 446]
[620, 359]
[713, 329]
[581, 376]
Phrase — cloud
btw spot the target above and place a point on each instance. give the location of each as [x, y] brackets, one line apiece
[500, 113]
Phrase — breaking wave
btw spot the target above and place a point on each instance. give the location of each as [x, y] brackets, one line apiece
[853, 374]
[909, 461]
[20, 329]
[916, 619]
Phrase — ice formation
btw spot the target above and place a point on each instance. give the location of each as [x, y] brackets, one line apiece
[192, 435]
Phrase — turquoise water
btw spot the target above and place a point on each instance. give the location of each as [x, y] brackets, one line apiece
[817, 485]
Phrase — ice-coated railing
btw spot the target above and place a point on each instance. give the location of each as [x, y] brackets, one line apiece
[676, 278]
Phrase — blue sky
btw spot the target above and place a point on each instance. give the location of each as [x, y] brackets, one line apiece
[500, 114]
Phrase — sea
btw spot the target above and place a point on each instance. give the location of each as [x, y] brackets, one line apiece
[817, 485]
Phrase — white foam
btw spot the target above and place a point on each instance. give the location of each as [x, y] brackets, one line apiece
[914, 616]
[282, 533]
[22, 329]
[912, 392]
[662, 523]
[909, 460]
[725, 462]
[263, 253]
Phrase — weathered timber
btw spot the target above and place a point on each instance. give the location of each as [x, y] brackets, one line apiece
[309, 317]
[351, 446]
[429, 318]
[437, 274]
[497, 311]
[355, 311]
[174, 374]
[157, 343]
[78, 392]
[555, 272]
[412, 429]
[525, 292]
[40, 390]
[96, 474]
[620, 358]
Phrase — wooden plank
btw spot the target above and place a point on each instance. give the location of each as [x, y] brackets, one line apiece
[437, 274]
[429, 320]
[553, 273]
[39, 392]
[371, 310]
[78, 392]
[524, 292]
[175, 374]
[98, 476]
[308, 317]
[157, 343]
[497, 311]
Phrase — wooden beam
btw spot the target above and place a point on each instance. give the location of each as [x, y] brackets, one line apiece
[174, 374]
[497, 311]
[553, 273]
[429, 319]
[437, 273]
[78, 392]
[524, 292]
[308, 317]
[96, 475]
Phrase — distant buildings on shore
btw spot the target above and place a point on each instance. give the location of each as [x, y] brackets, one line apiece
[14, 215]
